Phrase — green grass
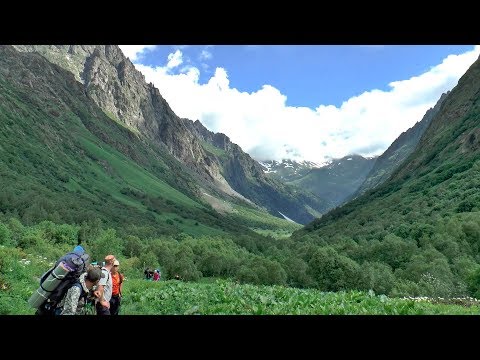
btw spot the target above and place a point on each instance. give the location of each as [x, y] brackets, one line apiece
[213, 149]
[20, 271]
[259, 221]
[132, 174]
[223, 297]
[277, 234]
[122, 124]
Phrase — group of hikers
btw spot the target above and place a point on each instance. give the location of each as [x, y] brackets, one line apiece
[155, 275]
[85, 289]
[74, 286]
[152, 275]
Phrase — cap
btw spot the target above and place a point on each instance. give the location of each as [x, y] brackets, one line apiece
[109, 259]
[116, 263]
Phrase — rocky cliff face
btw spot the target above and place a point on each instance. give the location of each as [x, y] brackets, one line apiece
[112, 81]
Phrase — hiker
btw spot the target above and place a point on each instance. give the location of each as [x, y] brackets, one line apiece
[74, 301]
[104, 287]
[148, 274]
[156, 275]
[55, 283]
[117, 282]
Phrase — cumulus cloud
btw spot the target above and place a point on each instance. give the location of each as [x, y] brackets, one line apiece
[134, 52]
[265, 127]
[174, 59]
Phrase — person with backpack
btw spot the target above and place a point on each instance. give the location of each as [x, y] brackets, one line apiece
[117, 282]
[75, 299]
[55, 283]
[104, 288]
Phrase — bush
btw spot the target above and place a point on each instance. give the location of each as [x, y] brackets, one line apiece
[5, 235]
[377, 277]
[333, 272]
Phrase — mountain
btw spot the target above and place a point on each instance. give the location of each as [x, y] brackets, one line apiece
[288, 170]
[113, 83]
[419, 231]
[63, 159]
[400, 149]
[333, 182]
[120, 90]
[247, 177]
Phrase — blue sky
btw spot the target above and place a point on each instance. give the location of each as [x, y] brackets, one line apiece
[311, 102]
[311, 75]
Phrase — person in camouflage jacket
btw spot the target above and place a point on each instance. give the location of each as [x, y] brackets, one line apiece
[73, 303]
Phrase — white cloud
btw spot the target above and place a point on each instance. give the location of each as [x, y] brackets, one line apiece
[174, 59]
[133, 52]
[265, 127]
[205, 55]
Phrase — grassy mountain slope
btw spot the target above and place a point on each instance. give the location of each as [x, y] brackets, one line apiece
[65, 160]
[423, 224]
[396, 153]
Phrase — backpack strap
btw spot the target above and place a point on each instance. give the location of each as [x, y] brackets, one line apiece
[108, 273]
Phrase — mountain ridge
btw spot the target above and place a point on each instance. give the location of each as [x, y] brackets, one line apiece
[398, 151]
[111, 80]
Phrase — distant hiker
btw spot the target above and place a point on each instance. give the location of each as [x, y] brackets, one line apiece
[117, 282]
[156, 275]
[104, 287]
[148, 274]
[74, 301]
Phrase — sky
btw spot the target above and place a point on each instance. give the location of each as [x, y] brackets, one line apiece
[304, 102]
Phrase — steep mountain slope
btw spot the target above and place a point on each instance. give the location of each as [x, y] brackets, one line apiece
[63, 159]
[112, 81]
[396, 153]
[423, 224]
[246, 176]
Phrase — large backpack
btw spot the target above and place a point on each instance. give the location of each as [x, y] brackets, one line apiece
[83, 295]
[77, 262]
